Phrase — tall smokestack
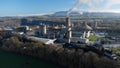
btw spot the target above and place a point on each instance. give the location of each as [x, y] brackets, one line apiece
[68, 21]
[69, 32]
[79, 2]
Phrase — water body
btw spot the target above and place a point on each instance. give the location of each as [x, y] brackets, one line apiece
[10, 60]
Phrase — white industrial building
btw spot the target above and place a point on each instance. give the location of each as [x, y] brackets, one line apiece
[43, 40]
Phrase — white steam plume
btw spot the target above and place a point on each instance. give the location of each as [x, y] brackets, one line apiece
[92, 4]
[82, 2]
[112, 2]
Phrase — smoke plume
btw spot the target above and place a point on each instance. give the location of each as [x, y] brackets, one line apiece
[92, 4]
[112, 2]
[84, 2]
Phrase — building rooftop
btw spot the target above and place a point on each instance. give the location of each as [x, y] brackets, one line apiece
[87, 27]
[43, 40]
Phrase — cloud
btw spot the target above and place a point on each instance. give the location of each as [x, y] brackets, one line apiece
[110, 3]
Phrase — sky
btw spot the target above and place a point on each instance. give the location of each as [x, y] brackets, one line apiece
[39, 7]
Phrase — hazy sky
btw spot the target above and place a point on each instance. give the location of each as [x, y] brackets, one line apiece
[31, 7]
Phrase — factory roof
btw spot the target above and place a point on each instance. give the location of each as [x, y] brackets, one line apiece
[43, 40]
[87, 27]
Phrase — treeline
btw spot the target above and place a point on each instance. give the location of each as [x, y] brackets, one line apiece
[64, 57]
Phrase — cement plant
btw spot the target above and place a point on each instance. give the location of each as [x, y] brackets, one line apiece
[63, 39]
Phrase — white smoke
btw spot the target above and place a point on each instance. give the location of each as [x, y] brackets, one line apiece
[112, 2]
[92, 4]
[84, 2]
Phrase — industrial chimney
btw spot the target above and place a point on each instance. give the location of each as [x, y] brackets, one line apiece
[69, 32]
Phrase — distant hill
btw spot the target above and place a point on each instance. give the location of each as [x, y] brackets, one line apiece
[62, 14]
[65, 12]
[84, 13]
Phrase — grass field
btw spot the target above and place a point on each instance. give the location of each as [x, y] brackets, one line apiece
[92, 38]
[10, 60]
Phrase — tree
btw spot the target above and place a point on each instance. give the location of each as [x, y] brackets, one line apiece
[13, 42]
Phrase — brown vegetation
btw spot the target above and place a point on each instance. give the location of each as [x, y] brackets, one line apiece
[65, 57]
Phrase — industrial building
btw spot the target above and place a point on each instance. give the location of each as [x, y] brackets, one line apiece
[64, 34]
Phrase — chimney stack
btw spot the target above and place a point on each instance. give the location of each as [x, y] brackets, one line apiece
[69, 32]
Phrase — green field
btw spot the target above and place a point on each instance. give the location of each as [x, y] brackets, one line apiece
[10, 60]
